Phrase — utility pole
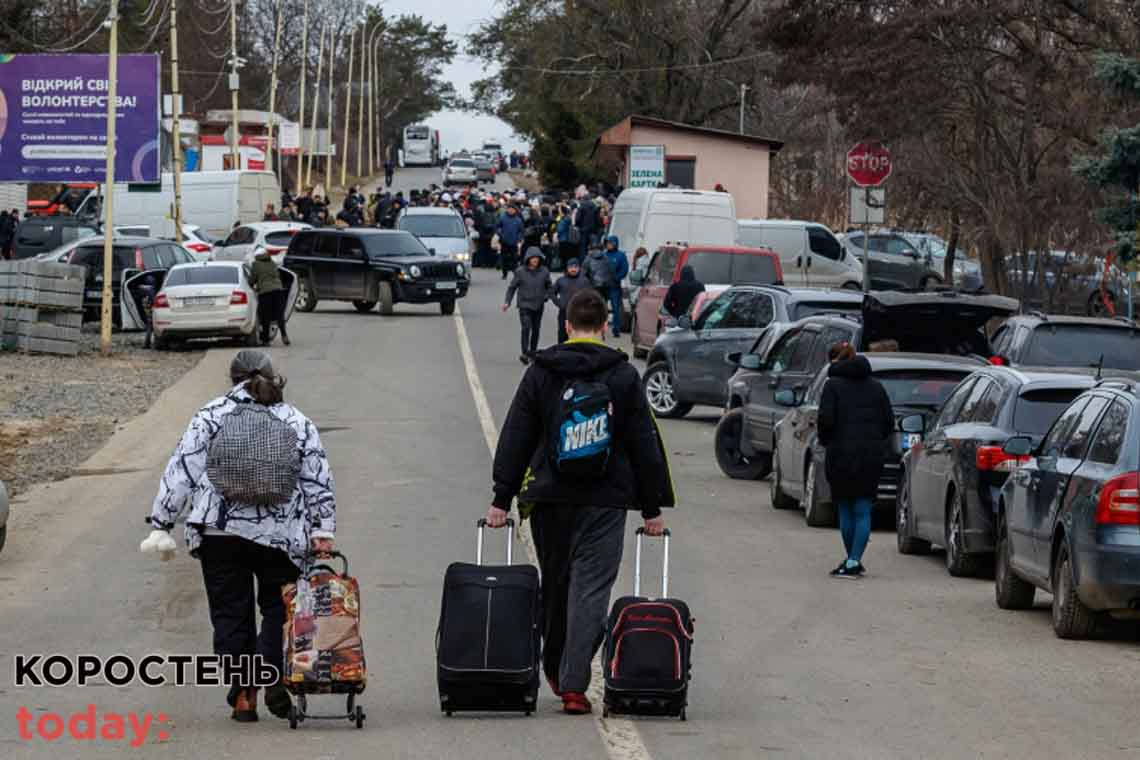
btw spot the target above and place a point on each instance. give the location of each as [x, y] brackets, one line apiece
[360, 108]
[175, 127]
[316, 108]
[372, 99]
[743, 89]
[273, 96]
[234, 153]
[109, 180]
[328, 155]
[347, 111]
[301, 119]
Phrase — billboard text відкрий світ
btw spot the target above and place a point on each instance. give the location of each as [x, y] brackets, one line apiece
[53, 118]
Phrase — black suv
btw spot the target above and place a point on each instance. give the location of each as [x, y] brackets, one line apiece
[691, 364]
[943, 322]
[42, 234]
[370, 266]
[1040, 340]
[955, 468]
[1069, 516]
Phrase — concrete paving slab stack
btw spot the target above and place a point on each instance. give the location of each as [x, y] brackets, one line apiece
[41, 306]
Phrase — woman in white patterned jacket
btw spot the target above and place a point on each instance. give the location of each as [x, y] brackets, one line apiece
[238, 542]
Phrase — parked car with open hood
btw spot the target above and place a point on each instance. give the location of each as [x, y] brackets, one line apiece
[945, 323]
[955, 467]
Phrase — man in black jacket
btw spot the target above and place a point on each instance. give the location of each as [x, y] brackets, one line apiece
[578, 523]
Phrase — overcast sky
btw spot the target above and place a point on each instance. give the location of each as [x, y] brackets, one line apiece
[460, 129]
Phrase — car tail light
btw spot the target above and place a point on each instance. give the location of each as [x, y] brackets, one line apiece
[997, 361]
[1119, 501]
[160, 302]
[239, 298]
[274, 249]
[993, 459]
[197, 247]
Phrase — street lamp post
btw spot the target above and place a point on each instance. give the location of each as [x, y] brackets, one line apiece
[347, 109]
[109, 180]
[316, 109]
[273, 93]
[175, 124]
[235, 156]
[301, 116]
[360, 107]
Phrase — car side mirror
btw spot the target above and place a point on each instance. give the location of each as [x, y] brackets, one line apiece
[913, 423]
[786, 397]
[750, 361]
[636, 277]
[685, 322]
[733, 357]
[1018, 446]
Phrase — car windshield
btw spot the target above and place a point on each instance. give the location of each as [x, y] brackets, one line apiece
[1036, 410]
[1084, 346]
[398, 244]
[462, 163]
[916, 387]
[201, 234]
[811, 308]
[433, 225]
[199, 275]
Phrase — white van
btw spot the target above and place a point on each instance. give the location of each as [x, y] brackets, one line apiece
[810, 254]
[651, 217]
[214, 201]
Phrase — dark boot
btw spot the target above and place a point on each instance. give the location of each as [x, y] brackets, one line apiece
[277, 700]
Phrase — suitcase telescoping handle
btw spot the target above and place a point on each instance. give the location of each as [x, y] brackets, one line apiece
[664, 565]
[481, 524]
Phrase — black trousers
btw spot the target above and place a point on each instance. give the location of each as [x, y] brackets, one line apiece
[531, 322]
[230, 565]
[270, 309]
[579, 552]
[563, 336]
[508, 258]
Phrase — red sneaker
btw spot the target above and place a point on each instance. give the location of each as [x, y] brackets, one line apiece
[576, 703]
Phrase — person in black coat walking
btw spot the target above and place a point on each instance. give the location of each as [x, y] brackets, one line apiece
[578, 523]
[566, 288]
[855, 425]
[680, 295]
[532, 283]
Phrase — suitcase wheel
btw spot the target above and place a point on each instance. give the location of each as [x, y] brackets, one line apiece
[293, 718]
[527, 714]
[448, 713]
[683, 718]
[360, 716]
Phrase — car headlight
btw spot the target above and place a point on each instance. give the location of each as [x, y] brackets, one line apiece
[460, 269]
[414, 271]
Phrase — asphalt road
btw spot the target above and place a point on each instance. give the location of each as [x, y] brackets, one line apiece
[905, 663]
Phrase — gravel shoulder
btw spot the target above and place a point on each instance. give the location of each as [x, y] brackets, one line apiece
[57, 411]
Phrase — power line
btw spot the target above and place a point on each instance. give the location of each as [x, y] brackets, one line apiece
[642, 70]
[66, 48]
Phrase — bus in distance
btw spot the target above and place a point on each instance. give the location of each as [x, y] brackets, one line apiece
[421, 145]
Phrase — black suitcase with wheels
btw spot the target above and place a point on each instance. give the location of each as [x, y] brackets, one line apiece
[487, 644]
[648, 648]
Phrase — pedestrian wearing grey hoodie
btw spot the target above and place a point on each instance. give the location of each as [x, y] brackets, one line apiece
[564, 289]
[531, 282]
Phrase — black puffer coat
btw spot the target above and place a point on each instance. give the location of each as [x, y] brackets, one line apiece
[855, 425]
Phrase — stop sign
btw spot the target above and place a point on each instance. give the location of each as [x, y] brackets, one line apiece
[868, 164]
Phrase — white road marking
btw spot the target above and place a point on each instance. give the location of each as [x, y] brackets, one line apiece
[619, 735]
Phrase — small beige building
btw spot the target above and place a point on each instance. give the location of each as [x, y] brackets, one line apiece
[698, 158]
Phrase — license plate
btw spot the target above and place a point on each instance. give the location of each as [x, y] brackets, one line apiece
[445, 286]
[910, 440]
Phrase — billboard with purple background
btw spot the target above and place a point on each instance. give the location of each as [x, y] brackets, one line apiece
[53, 118]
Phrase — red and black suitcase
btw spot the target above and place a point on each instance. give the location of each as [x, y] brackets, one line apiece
[648, 650]
[487, 644]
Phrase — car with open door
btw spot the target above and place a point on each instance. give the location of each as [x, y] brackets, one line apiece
[955, 469]
[210, 299]
[1069, 515]
[692, 363]
[915, 384]
[942, 322]
[130, 257]
[365, 266]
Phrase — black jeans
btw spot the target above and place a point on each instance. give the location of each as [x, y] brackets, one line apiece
[508, 257]
[531, 322]
[270, 309]
[579, 553]
[229, 566]
[563, 336]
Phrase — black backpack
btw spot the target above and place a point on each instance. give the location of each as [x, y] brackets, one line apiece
[582, 438]
[601, 272]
